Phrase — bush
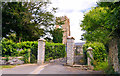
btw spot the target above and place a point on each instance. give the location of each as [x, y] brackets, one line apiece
[54, 50]
[99, 52]
[9, 48]
[104, 66]
[101, 66]
[33, 46]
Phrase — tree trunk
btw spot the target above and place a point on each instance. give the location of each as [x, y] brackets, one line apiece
[113, 54]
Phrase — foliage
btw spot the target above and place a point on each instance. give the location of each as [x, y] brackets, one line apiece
[101, 66]
[85, 55]
[109, 69]
[54, 50]
[93, 24]
[7, 59]
[9, 48]
[33, 46]
[113, 18]
[102, 22]
[104, 66]
[25, 19]
[57, 35]
[99, 52]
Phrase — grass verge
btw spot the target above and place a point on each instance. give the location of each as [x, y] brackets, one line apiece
[7, 66]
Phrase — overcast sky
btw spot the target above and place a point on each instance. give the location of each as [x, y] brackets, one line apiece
[74, 10]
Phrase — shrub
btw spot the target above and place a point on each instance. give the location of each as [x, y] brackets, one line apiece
[33, 46]
[99, 52]
[101, 66]
[54, 50]
[8, 48]
[104, 66]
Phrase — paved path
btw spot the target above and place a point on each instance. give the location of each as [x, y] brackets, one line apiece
[60, 69]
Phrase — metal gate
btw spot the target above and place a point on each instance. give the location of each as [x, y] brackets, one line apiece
[78, 54]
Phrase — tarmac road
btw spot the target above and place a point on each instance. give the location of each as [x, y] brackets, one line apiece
[60, 69]
[46, 69]
[21, 69]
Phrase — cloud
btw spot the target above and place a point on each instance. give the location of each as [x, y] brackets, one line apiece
[73, 9]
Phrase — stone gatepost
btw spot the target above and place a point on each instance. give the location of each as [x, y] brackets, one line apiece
[89, 50]
[70, 51]
[41, 51]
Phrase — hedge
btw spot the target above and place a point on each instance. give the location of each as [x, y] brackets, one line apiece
[99, 51]
[9, 48]
[52, 50]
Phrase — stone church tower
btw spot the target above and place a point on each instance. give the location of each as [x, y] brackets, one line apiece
[66, 28]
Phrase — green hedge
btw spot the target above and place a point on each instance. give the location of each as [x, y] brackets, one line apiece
[99, 52]
[9, 48]
[33, 46]
[52, 50]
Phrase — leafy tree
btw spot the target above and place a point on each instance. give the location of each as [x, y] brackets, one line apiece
[57, 35]
[25, 19]
[93, 24]
[113, 17]
[102, 22]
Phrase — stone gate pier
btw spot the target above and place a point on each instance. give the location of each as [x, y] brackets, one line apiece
[70, 50]
[41, 51]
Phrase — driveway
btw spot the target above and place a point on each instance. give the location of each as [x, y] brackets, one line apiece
[21, 69]
[60, 69]
[55, 67]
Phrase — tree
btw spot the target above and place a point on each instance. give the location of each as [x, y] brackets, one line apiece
[93, 24]
[25, 19]
[57, 35]
[113, 18]
[102, 22]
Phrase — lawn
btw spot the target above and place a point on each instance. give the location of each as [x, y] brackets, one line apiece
[7, 66]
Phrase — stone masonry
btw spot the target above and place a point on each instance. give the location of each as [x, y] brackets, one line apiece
[41, 51]
[66, 28]
[70, 51]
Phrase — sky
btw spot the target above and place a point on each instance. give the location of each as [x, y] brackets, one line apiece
[74, 10]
